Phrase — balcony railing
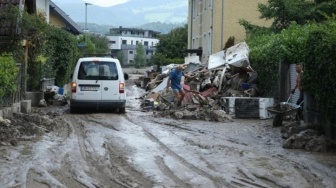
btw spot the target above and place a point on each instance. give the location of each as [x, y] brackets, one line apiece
[133, 47]
[133, 35]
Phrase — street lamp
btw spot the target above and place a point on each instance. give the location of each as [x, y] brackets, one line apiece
[86, 4]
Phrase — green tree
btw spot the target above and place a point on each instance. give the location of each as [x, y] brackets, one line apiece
[87, 47]
[170, 49]
[174, 43]
[140, 55]
[121, 57]
[284, 12]
[61, 53]
[100, 43]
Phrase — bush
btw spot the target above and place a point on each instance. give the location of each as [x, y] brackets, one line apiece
[8, 75]
[267, 51]
[320, 68]
[314, 46]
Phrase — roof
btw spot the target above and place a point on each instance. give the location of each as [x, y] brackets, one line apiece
[133, 29]
[70, 24]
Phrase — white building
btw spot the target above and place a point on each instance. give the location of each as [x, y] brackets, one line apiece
[125, 40]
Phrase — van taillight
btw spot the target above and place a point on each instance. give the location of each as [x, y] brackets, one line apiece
[121, 87]
[73, 87]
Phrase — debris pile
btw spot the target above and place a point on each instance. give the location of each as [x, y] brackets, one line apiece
[307, 137]
[25, 127]
[227, 74]
[54, 95]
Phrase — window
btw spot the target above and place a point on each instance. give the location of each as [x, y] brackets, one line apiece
[131, 61]
[130, 52]
[131, 42]
[136, 42]
[146, 43]
[101, 70]
[112, 41]
[124, 41]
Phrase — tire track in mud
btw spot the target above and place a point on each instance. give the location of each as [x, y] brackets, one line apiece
[172, 125]
[217, 181]
[117, 173]
[309, 176]
[126, 172]
[235, 181]
[166, 170]
[110, 126]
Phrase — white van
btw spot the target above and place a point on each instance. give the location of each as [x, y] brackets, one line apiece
[98, 82]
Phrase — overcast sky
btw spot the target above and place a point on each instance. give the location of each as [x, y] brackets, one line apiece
[102, 3]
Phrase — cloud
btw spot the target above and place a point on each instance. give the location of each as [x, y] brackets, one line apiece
[106, 3]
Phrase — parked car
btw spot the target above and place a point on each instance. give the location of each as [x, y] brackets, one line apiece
[99, 83]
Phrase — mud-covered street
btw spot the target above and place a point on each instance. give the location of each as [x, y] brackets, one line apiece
[140, 149]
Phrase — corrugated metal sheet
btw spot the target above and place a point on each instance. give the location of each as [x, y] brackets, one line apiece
[292, 78]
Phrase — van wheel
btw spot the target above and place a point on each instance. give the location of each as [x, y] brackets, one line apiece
[122, 110]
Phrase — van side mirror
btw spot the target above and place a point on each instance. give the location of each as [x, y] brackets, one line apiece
[126, 76]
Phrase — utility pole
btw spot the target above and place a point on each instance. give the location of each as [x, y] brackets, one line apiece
[86, 29]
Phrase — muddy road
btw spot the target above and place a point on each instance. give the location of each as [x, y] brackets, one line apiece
[138, 149]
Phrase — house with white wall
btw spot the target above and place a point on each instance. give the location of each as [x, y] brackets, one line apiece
[125, 40]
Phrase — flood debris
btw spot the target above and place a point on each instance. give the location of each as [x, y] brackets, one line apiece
[25, 127]
[302, 136]
[227, 74]
[54, 95]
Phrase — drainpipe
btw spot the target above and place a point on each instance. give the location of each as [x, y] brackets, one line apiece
[222, 28]
[191, 23]
[211, 28]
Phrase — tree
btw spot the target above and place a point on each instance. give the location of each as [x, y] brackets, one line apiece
[140, 56]
[121, 57]
[174, 43]
[284, 12]
[100, 43]
[171, 47]
[61, 53]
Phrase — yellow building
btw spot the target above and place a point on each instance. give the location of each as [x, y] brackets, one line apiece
[212, 22]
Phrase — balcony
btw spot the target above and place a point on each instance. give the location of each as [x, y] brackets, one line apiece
[132, 35]
[133, 47]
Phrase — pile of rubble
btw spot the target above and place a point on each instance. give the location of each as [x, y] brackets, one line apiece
[227, 74]
[26, 127]
[301, 136]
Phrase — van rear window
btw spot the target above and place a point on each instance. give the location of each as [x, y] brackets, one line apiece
[97, 70]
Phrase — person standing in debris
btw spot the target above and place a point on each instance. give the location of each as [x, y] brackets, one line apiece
[174, 81]
[298, 85]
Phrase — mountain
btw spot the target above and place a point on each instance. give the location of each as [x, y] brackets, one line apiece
[130, 14]
[163, 28]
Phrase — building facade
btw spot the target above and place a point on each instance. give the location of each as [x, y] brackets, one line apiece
[125, 40]
[212, 22]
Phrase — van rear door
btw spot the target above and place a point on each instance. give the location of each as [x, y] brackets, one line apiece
[110, 77]
[88, 84]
